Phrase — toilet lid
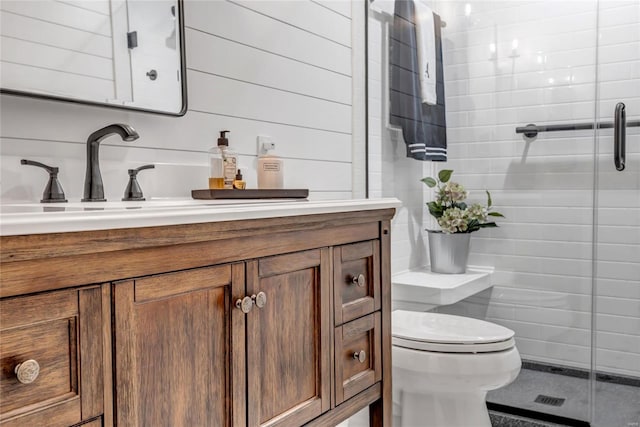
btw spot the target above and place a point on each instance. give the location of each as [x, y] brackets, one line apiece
[447, 333]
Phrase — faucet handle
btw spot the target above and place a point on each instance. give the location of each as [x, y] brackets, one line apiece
[133, 190]
[53, 192]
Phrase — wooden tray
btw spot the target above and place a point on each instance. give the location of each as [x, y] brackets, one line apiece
[250, 194]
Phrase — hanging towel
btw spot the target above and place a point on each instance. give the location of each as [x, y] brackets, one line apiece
[426, 47]
[423, 126]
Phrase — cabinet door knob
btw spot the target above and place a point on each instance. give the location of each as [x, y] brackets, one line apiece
[245, 304]
[359, 280]
[259, 300]
[27, 371]
[360, 356]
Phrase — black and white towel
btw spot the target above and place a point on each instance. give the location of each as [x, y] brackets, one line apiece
[423, 126]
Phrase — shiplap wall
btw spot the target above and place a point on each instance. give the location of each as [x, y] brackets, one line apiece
[277, 68]
[542, 251]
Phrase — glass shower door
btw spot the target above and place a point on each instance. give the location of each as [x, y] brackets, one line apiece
[616, 275]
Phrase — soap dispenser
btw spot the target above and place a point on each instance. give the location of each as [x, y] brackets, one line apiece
[223, 162]
[270, 166]
[216, 169]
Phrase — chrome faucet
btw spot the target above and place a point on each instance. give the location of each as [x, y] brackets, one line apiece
[93, 188]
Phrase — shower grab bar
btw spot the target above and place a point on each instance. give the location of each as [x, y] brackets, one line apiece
[619, 136]
[532, 130]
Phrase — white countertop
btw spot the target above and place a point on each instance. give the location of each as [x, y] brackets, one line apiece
[38, 218]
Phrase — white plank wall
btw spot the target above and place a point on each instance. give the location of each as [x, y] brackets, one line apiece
[275, 68]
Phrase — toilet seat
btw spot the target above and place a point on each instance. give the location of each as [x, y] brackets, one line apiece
[445, 333]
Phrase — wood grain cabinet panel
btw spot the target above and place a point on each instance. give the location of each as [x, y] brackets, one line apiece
[61, 331]
[358, 356]
[356, 280]
[177, 343]
[288, 339]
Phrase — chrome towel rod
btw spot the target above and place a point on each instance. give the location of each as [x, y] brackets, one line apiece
[532, 130]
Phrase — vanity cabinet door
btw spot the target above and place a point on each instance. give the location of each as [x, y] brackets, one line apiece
[179, 349]
[288, 338]
[51, 358]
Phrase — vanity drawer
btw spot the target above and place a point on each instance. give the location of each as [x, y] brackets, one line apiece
[358, 363]
[356, 280]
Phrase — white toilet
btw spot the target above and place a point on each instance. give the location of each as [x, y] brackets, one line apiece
[444, 365]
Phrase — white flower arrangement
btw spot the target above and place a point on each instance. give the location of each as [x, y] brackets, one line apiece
[449, 208]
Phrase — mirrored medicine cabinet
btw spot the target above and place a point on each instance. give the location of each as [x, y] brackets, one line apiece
[116, 53]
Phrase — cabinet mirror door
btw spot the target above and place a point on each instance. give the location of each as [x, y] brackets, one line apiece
[117, 53]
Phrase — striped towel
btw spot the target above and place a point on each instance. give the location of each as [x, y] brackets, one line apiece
[424, 126]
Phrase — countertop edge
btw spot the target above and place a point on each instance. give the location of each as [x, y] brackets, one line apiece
[14, 224]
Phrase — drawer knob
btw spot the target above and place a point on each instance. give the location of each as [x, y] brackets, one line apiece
[360, 356]
[27, 371]
[245, 304]
[259, 300]
[359, 280]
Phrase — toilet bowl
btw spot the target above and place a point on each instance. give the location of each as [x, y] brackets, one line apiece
[444, 365]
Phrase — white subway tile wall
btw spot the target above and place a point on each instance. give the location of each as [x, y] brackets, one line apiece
[277, 68]
[543, 72]
[543, 251]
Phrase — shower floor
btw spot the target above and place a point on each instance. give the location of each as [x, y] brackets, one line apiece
[616, 405]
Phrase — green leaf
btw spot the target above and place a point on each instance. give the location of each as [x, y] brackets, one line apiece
[462, 206]
[435, 209]
[488, 225]
[429, 181]
[473, 225]
[445, 174]
[488, 199]
[496, 214]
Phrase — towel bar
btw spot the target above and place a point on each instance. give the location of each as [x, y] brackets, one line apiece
[532, 130]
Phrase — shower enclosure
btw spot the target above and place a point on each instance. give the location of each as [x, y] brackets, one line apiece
[543, 110]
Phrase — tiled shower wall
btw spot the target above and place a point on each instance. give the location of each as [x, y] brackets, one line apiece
[277, 68]
[508, 64]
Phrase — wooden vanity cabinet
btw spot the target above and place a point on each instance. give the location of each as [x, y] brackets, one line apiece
[233, 324]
